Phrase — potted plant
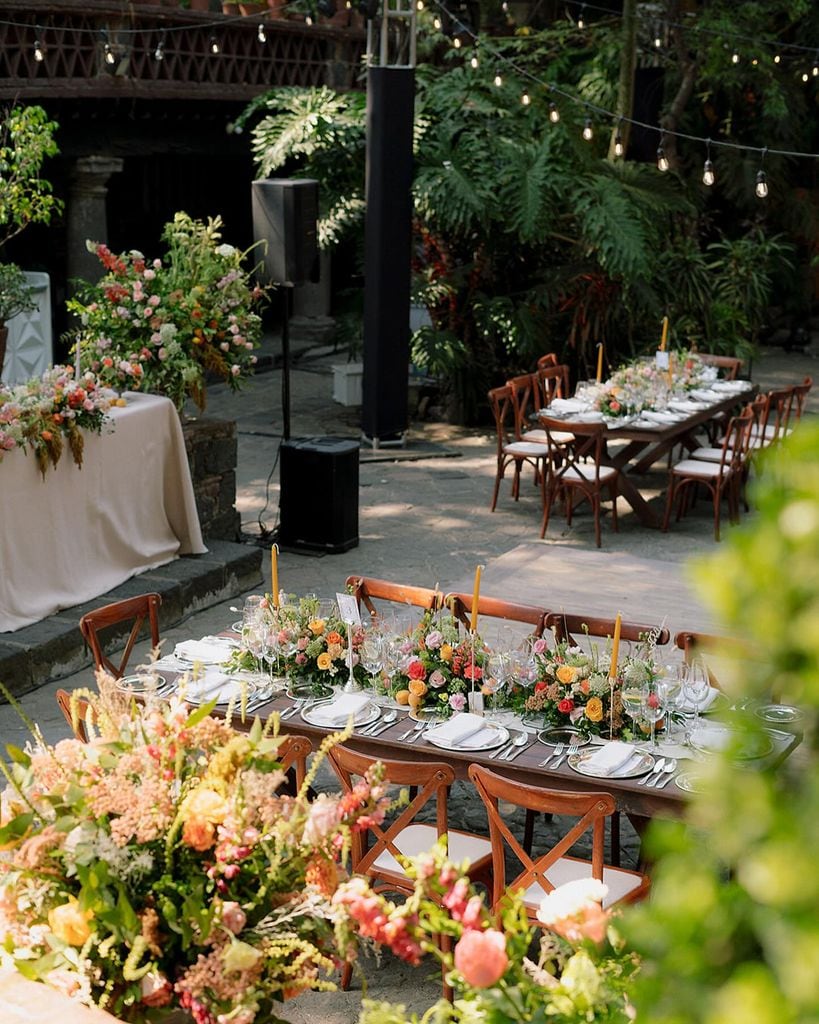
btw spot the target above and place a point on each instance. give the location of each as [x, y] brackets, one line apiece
[16, 296]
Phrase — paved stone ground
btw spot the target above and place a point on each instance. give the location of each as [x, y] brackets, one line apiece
[424, 518]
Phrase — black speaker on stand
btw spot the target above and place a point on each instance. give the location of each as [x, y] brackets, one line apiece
[318, 476]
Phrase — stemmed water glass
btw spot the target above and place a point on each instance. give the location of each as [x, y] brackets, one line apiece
[496, 674]
[372, 656]
[653, 707]
[696, 689]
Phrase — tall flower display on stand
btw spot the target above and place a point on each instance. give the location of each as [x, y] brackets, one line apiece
[163, 865]
[163, 325]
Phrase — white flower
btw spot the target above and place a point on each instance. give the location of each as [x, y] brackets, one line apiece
[225, 250]
[167, 332]
[570, 899]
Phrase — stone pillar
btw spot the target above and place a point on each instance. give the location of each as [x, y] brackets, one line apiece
[86, 214]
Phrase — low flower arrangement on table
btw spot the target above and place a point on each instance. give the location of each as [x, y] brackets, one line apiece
[162, 325]
[643, 385]
[162, 865]
[580, 969]
[48, 413]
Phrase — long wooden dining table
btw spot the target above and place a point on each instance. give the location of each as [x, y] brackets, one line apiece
[644, 446]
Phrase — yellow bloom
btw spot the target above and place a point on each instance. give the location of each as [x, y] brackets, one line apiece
[566, 674]
[316, 626]
[206, 804]
[69, 923]
[594, 709]
[324, 661]
[240, 956]
[335, 650]
[446, 652]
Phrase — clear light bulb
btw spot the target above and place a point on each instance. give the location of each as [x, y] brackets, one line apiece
[662, 160]
[498, 81]
[777, 59]
[436, 24]
[588, 130]
[805, 76]
[554, 113]
[581, 24]
[308, 20]
[260, 35]
[658, 42]
[456, 42]
[525, 99]
[761, 187]
[39, 55]
[735, 58]
[755, 62]
[109, 55]
[420, 5]
[474, 62]
[815, 70]
[618, 144]
[708, 176]
[159, 52]
[214, 45]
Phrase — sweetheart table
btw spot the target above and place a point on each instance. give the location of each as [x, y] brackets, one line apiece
[78, 533]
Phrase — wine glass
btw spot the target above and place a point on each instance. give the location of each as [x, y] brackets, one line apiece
[496, 674]
[632, 698]
[371, 655]
[652, 707]
[696, 689]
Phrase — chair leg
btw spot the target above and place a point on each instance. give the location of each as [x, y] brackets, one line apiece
[346, 976]
[498, 477]
[529, 831]
[717, 505]
[614, 522]
[669, 502]
[595, 504]
[548, 498]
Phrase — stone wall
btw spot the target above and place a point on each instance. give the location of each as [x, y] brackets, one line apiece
[212, 453]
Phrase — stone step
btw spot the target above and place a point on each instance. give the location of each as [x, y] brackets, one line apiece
[54, 648]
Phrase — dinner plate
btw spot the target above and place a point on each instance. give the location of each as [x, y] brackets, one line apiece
[499, 737]
[778, 714]
[562, 734]
[427, 716]
[713, 738]
[365, 716]
[141, 682]
[689, 782]
[220, 655]
[638, 764]
[309, 691]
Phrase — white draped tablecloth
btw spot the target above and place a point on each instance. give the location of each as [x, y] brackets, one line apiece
[80, 532]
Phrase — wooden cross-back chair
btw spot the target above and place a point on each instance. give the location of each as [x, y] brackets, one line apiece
[800, 393]
[577, 468]
[80, 730]
[292, 754]
[509, 450]
[548, 359]
[496, 608]
[136, 610]
[368, 589]
[376, 851]
[729, 365]
[556, 866]
[570, 625]
[551, 382]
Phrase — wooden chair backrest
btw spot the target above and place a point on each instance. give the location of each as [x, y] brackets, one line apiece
[737, 442]
[590, 810]
[800, 393]
[571, 461]
[431, 780]
[293, 753]
[524, 393]
[500, 402]
[496, 608]
[569, 625]
[64, 700]
[551, 382]
[778, 413]
[730, 364]
[133, 609]
[549, 359]
[366, 589]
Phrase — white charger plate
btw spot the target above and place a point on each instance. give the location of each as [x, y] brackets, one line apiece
[639, 763]
[501, 736]
[369, 713]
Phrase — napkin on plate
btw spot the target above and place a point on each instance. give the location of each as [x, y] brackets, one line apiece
[461, 727]
[213, 685]
[661, 417]
[207, 651]
[688, 707]
[609, 758]
[339, 710]
[564, 405]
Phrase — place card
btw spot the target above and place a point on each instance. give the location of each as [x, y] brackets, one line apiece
[348, 609]
[661, 360]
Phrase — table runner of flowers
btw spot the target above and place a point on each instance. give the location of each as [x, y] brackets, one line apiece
[643, 385]
[47, 413]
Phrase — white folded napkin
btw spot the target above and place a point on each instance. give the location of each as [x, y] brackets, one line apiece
[608, 759]
[561, 405]
[688, 706]
[588, 416]
[339, 710]
[214, 685]
[461, 727]
[209, 652]
[661, 417]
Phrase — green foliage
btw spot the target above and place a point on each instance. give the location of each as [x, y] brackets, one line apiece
[26, 140]
[16, 295]
[731, 933]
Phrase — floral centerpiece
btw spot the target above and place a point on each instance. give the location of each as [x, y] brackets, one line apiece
[439, 666]
[572, 687]
[47, 413]
[630, 390]
[163, 865]
[163, 325]
[580, 970]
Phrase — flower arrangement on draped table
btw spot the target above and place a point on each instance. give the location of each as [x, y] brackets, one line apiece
[643, 385]
[161, 326]
[163, 866]
[49, 412]
[572, 687]
[439, 666]
[580, 971]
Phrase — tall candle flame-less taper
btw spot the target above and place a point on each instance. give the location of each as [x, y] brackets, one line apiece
[664, 338]
[476, 593]
[274, 574]
[615, 654]
[599, 362]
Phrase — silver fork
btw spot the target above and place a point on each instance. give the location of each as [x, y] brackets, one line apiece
[574, 746]
[294, 709]
[419, 731]
[408, 735]
[554, 754]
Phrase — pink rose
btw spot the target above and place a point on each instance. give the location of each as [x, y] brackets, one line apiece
[434, 639]
[149, 275]
[539, 646]
[225, 346]
[235, 370]
[233, 917]
[481, 957]
[457, 702]
[301, 659]
[437, 680]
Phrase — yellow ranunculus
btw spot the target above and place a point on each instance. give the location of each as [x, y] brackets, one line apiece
[69, 923]
[324, 661]
[208, 804]
[446, 652]
[566, 674]
[594, 709]
[316, 626]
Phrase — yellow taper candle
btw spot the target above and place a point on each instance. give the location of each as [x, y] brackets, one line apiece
[599, 361]
[476, 593]
[274, 574]
[615, 647]
[664, 338]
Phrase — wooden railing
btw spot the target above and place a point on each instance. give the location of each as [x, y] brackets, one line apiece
[108, 49]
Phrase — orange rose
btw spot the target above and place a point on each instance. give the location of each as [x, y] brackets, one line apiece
[316, 626]
[417, 687]
[199, 834]
[334, 637]
[69, 923]
[446, 652]
[566, 674]
[594, 709]
[46, 435]
[324, 661]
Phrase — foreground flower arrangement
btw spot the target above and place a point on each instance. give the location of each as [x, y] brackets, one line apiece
[577, 970]
[161, 326]
[164, 865]
[47, 413]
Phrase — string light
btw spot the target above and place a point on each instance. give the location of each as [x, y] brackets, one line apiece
[588, 130]
[554, 113]
[618, 139]
[755, 62]
[525, 99]
[581, 23]
[213, 44]
[805, 76]
[420, 5]
[473, 61]
[761, 184]
[456, 42]
[39, 49]
[261, 35]
[159, 52]
[110, 58]
[498, 81]
[436, 24]
[662, 159]
[815, 69]
[708, 176]
[777, 58]
[308, 21]
[735, 57]
[658, 42]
